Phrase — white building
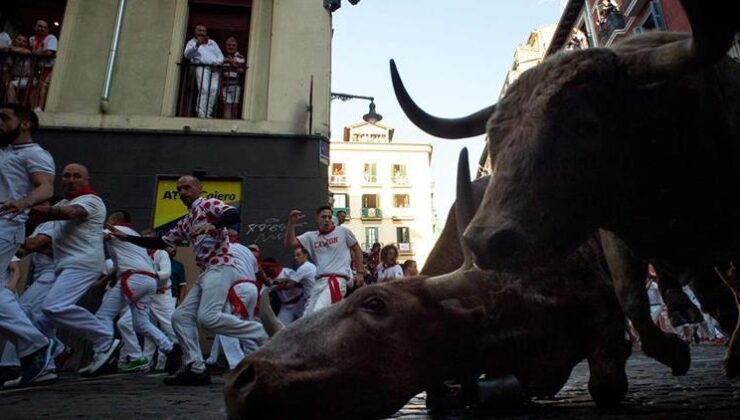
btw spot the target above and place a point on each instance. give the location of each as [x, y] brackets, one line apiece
[385, 187]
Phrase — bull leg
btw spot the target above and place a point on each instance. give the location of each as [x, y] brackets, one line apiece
[607, 355]
[628, 274]
[731, 363]
[680, 309]
[716, 298]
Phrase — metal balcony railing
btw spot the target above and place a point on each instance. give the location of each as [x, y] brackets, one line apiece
[370, 179]
[405, 248]
[612, 21]
[25, 78]
[338, 180]
[211, 91]
[371, 213]
[400, 180]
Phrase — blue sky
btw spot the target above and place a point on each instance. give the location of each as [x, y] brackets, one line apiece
[452, 54]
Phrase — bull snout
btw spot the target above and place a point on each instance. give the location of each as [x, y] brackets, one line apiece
[496, 248]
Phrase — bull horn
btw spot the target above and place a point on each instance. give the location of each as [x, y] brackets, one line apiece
[464, 207]
[713, 33]
[271, 323]
[448, 128]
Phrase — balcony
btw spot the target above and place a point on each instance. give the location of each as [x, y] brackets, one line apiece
[369, 213]
[211, 91]
[405, 248]
[369, 179]
[400, 181]
[338, 180]
[402, 213]
[610, 22]
[25, 78]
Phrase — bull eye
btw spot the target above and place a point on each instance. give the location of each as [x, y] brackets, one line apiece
[373, 304]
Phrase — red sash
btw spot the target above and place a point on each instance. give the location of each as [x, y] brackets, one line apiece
[334, 290]
[237, 306]
[124, 284]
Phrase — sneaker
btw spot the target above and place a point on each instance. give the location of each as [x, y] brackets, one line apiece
[134, 365]
[187, 377]
[44, 378]
[33, 367]
[174, 360]
[101, 359]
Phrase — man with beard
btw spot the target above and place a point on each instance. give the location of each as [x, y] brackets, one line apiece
[26, 178]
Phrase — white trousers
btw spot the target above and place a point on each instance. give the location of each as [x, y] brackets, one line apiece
[60, 308]
[290, 313]
[207, 90]
[7, 251]
[321, 296]
[161, 309]
[31, 302]
[143, 289]
[234, 349]
[203, 306]
[16, 327]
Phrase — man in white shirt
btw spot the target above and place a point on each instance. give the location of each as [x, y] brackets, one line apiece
[242, 302]
[77, 243]
[294, 287]
[44, 45]
[204, 54]
[26, 178]
[331, 248]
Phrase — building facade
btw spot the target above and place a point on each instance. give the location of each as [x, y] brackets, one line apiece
[124, 100]
[385, 188]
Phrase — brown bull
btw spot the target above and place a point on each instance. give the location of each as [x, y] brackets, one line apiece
[640, 140]
[367, 355]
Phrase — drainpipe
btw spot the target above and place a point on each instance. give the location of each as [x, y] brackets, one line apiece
[112, 55]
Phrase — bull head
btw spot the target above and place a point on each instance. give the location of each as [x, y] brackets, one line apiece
[565, 132]
[386, 341]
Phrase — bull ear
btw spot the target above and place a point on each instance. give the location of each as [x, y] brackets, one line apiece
[464, 316]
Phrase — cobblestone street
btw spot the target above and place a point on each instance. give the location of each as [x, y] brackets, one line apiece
[654, 393]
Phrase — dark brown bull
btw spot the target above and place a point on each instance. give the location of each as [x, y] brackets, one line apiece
[367, 355]
[641, 140]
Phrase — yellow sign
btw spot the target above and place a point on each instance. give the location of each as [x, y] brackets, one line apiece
[168, 208]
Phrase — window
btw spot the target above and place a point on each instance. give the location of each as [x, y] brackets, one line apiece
[371, 237]
[401, 201]
[337, 174]
[27, 77]
[370, 173]
[212, 89]
[370, 201]
[341, 201]
[398, 174]
[654, 20]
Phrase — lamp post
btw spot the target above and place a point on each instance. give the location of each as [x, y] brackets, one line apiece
[372, 117]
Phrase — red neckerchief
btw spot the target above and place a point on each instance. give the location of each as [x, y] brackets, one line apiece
[151, 252]
[84, 191]
[276, 266]
[38, 42]
[327, 231]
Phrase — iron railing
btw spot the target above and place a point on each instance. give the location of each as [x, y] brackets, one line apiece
[371, 213]
[211, 91]
[612, 21]
[25, 78]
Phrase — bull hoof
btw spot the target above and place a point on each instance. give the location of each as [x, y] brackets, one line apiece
[670, 351]
[610, 393]
[731, 366]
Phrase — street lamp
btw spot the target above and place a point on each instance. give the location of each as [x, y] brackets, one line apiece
[372, 117]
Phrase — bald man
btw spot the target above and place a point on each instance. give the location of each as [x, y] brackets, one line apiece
[205, 228]
[79, 260]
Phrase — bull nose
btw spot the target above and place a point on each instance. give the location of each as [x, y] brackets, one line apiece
[238, 390]
[494, 248]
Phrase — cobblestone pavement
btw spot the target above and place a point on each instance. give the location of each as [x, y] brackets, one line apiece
[653, 394]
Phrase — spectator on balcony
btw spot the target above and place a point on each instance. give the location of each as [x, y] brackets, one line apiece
[205, 55]
[409, 268]
[577, 40]
[606, 8]
[43, 45]
[234, 66]
[19, 69]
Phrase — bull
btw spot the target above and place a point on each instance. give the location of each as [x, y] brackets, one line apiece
[367, 355]
[639, 141]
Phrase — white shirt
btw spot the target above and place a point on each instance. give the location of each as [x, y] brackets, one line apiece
[305, 276]
[654, 294]
[79, 243]
[17, 164]
[330, 252]
[389, 273]
[208, 53]
[5, 40]
[246, 263]
[43, 261]
[163, 267]
[50, 43]
[127, 256]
